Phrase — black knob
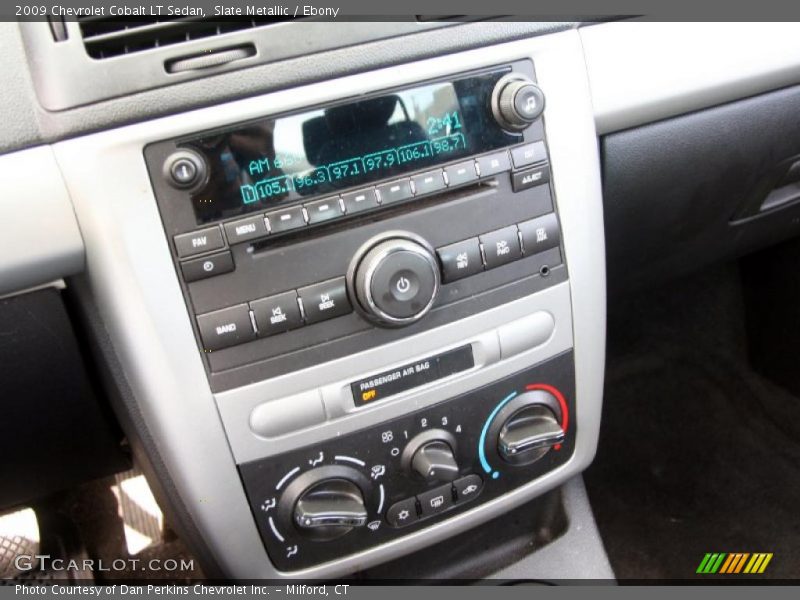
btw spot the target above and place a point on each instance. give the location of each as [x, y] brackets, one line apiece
[185, 169]
[530, 428]
[516, 102]
[325, 503]
[395, 279]
[431, 455]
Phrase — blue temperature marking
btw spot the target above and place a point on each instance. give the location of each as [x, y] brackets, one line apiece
[482, 441]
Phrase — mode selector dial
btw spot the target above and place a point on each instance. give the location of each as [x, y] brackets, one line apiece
[516, 102]
[325, 503]
[395, 279]
[431, 455]
[331, 506]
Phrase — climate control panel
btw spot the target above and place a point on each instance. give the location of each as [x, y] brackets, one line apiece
[347, 494]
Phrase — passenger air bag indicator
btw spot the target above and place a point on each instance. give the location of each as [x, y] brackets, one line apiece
[381, 386]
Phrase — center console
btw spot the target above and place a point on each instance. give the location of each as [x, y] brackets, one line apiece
[360, 316]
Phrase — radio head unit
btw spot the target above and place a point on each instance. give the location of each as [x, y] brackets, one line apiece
[309, 235]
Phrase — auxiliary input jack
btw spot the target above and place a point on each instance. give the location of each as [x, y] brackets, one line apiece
[544, 271]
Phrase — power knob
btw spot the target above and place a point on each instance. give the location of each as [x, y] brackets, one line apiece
[185, 169]
[516, 102]
[395, 279]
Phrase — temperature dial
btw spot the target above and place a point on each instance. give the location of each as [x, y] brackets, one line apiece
[528, 434]
[530, 425]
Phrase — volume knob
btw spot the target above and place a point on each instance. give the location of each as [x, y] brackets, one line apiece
[395, 280]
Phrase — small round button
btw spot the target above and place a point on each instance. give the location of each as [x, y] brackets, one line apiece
[403, 284]
[185, 169]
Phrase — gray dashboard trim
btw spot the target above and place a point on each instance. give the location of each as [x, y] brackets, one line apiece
[41, 241]
[643, 71]
[333, 378]
[59, 67]
[577, 554]
[138, 294]
[24, 122]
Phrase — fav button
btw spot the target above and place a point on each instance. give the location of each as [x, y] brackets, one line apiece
[276, 314]
[226, 327]
[325, 300]
[501, 246]
[197, 242]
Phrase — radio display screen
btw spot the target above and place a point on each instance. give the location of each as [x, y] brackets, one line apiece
[277, 161]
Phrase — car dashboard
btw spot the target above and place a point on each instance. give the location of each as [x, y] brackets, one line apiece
[348, 303]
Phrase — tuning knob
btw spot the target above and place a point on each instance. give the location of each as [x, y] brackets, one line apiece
[530, 428]
[395, 279]
[326, 503]
[431, 455]
[516, 102]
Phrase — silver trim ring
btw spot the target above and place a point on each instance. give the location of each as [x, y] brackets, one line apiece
[374, 257]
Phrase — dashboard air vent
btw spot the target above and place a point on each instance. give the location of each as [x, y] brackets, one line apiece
[107, 37]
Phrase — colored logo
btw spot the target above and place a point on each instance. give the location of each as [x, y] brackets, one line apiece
[734, 562]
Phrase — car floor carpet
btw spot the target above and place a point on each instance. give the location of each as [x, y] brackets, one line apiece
[697, 452]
